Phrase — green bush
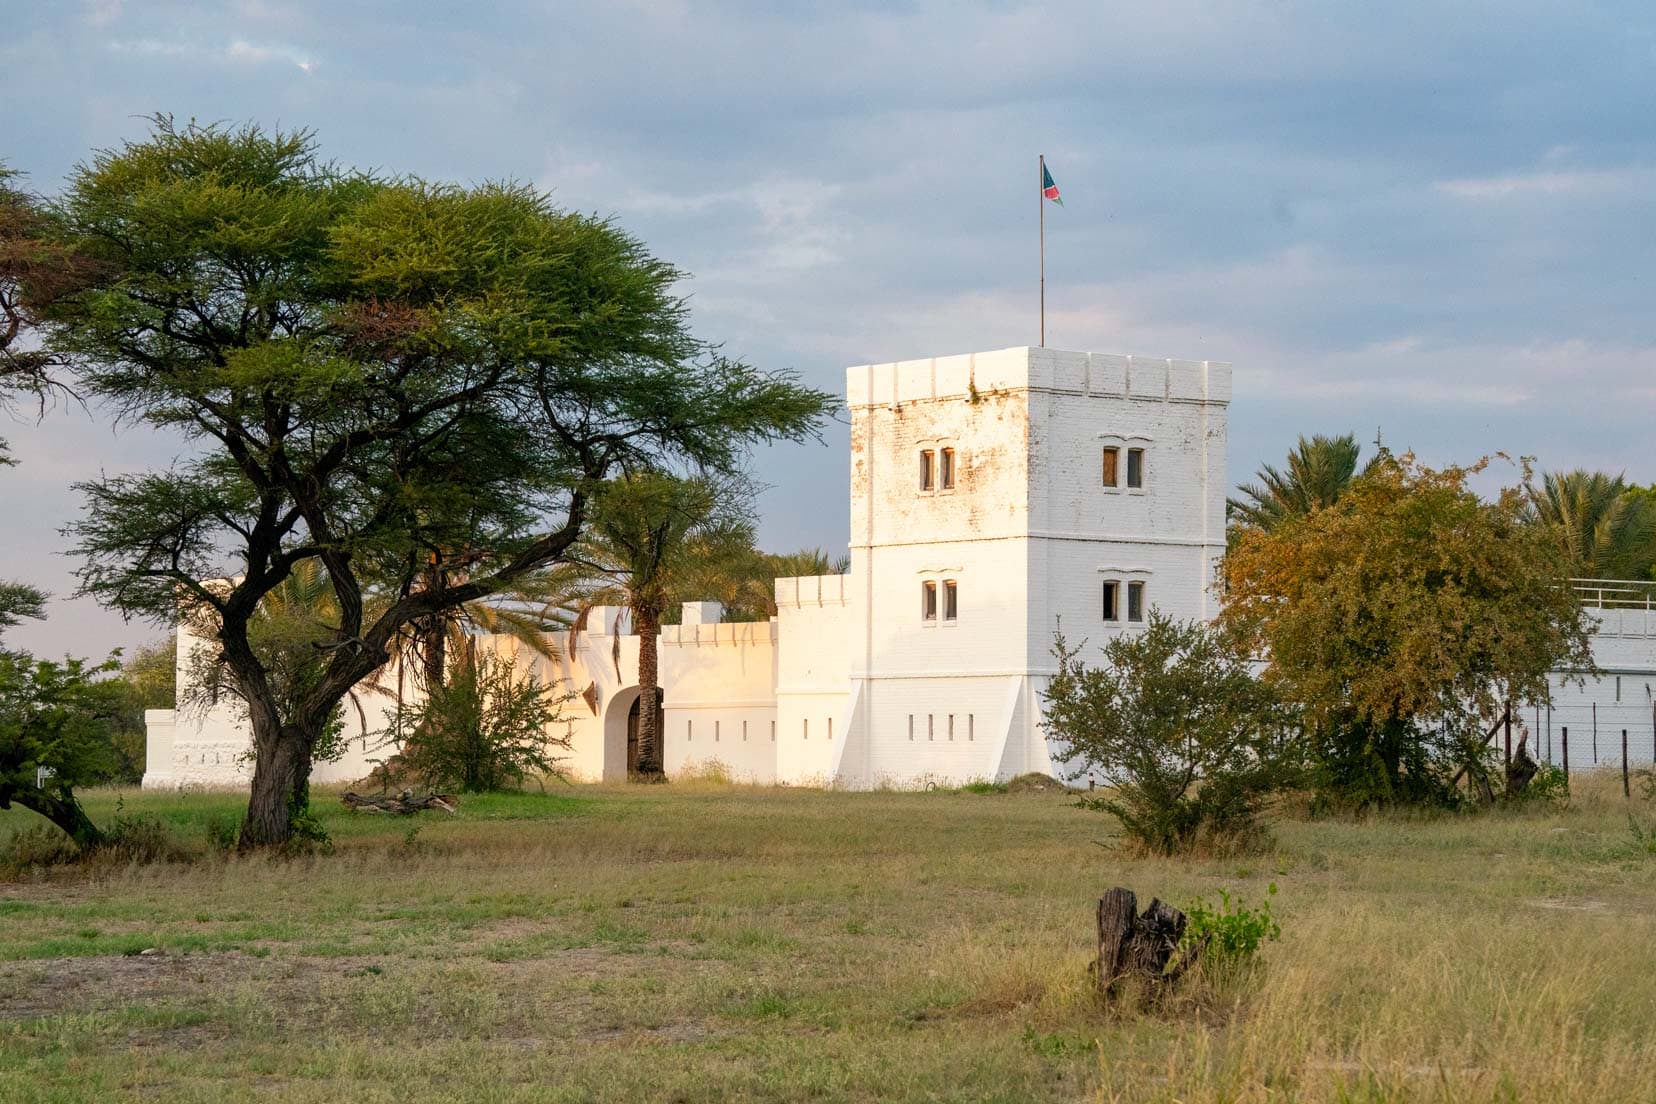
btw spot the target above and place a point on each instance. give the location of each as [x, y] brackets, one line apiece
[1191, 743]
[222, 832]
[1550, 786]
[34, 849]
[487, 729]
[139, 839]
[1234, 932]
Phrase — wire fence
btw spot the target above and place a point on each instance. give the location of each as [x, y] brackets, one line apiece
[1592, 723]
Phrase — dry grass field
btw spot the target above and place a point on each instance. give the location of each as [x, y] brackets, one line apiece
[698, 942]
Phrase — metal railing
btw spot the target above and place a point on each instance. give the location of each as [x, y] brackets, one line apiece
[1615, 593]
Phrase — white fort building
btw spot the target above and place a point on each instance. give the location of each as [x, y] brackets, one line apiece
[992, 494]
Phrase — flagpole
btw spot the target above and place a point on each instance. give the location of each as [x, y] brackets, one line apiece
[1040, 198]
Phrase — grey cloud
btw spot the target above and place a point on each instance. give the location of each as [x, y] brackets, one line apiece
[1429, 218]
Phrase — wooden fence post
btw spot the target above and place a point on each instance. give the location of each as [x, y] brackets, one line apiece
[1508, 720]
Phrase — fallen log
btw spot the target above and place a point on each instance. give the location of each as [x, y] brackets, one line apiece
[1140, 945]
[404, 804]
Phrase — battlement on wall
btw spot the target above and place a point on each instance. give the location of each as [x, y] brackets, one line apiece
[812, 590]
[1024, 368]
[724, 632]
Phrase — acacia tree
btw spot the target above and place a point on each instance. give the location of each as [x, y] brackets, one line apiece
[1400, 617]
[370, 373]
[55, 717]
[34, 268]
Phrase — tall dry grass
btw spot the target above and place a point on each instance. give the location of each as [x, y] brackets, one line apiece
[709, 941]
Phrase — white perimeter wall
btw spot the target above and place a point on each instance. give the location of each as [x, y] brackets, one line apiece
[812, 718]
[210, 746]
[721, 699]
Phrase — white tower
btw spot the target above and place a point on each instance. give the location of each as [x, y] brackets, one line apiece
[991, 495]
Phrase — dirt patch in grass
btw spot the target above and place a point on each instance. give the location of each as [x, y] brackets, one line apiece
[537, 1002]
[62, 986]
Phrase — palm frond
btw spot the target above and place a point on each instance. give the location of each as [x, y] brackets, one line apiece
[1318, 472]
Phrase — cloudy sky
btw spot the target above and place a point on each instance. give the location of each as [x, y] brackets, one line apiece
[1431, 219]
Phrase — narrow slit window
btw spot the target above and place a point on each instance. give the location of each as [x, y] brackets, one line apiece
[830, 728]
[744, 732]
[951, 600]
[689, 730]
[1112, 467]
[946, 469]
[715, 732]
[1112, 600]
[1135, 601]
[931, 726]
[911, 726]
[927, 471]
[805, 727]
[971, 727]
[773, 732]
[1135, 468]
[951, 728]
[928, 601]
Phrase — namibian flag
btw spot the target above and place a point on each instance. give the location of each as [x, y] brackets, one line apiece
[1048, 188]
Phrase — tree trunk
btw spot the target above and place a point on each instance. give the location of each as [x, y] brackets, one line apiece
[281, 785]
[1390, 749]
[647, 624]
[434, 652]
[62, 810]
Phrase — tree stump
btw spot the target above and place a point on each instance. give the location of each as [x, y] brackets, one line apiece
[1139, 945]
[404, 804]
[1521, 769]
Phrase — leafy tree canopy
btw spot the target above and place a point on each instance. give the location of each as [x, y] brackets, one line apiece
[19, 601]
[1408, 608]
[34, 268]
[55, 725]
[372, 372]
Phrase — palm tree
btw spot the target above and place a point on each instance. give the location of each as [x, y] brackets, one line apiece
[1318, 472]
[1606, 528]
[652, 540]
[746, 584]
[805, 562]
[528, 612]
